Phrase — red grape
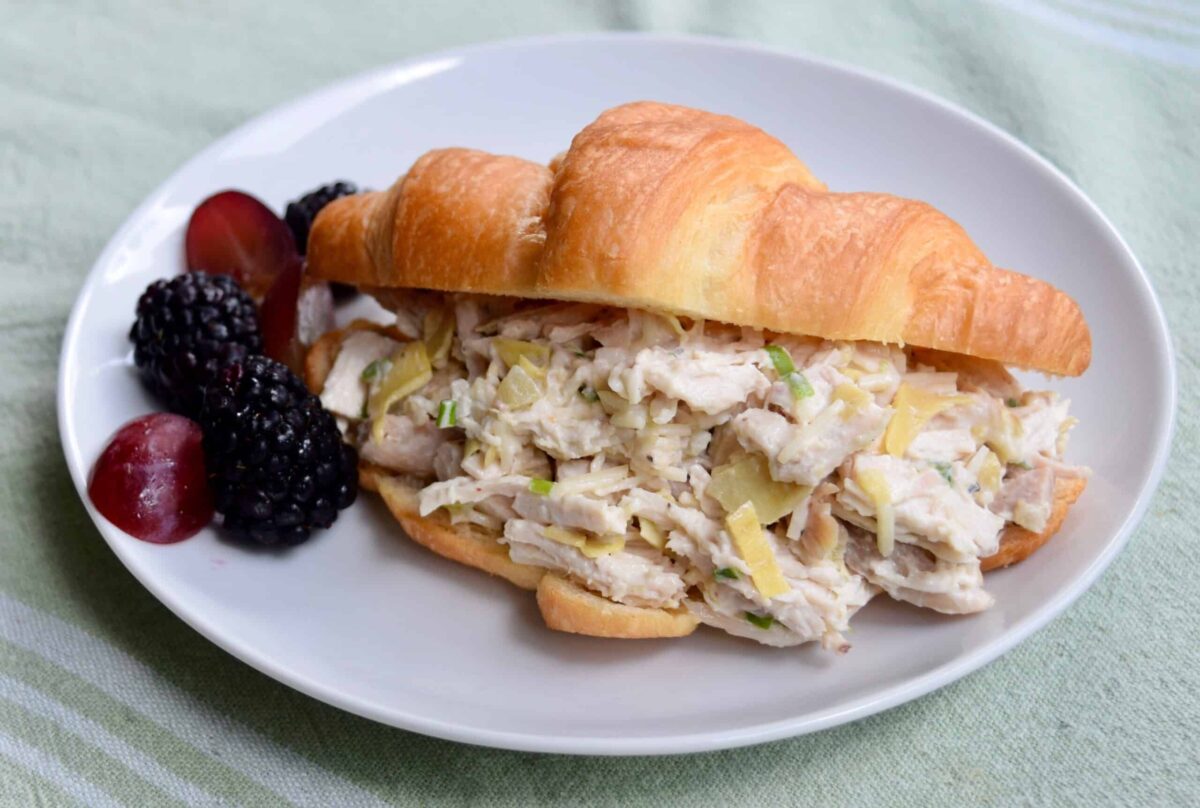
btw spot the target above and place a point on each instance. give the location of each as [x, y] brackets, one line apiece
[278, 317]
[150, 480]
[232, 233]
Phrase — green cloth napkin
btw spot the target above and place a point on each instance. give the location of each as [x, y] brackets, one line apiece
[107, 699]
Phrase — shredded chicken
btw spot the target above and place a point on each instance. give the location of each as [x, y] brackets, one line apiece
[807, 454]
[707, 381]
[915, 576]
[929, 510]
[345, 393]
[1027, 498]
[599, 443]
[405, 447]
[631, 576]
[579, 511]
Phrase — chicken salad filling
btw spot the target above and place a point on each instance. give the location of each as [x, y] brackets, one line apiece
[771, 484]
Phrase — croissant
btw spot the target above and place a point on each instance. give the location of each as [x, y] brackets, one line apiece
[675, 209]
[690, 213]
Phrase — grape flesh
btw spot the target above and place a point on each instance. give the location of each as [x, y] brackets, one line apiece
[279, 317]
[233, 233]
[150, 480]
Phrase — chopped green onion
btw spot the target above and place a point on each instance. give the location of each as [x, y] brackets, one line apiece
[372, 370]
[786, 368]
[1011, 402]
[946, 472]
[762, 621]
[798, 384]
[541, 486]
[727, 572]
[446, 414]
[588, 394]
[781, 359]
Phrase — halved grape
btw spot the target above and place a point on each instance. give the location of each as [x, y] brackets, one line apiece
[278, 317]
[232, 233]
[150, 480]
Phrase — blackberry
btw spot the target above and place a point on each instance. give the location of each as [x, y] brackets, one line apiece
[276, 462]
[186, 329]
[301, 213]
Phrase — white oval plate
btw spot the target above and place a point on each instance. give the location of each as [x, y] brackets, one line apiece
[364, 619]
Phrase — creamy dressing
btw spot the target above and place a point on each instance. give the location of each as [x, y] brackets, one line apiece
[590, 439]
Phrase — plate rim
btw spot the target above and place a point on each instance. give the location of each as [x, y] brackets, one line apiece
[692, 742]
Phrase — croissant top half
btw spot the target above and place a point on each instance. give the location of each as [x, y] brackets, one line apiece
[679, 210]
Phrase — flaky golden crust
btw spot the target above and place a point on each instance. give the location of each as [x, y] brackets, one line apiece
[670, 208]
[1017, 543]
[882, 268]
[459, 220]
[566, 606]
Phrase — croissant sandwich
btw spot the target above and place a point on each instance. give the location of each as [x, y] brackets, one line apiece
[671, 379]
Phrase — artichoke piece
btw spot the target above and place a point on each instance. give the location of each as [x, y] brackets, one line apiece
[749, 480]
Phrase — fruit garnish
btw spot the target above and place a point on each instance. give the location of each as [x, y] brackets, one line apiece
[150, 480]
[277, 465]
[232, 233]
[186, 328]
[279, 316]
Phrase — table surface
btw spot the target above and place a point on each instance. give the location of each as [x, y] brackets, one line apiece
[107, 698]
